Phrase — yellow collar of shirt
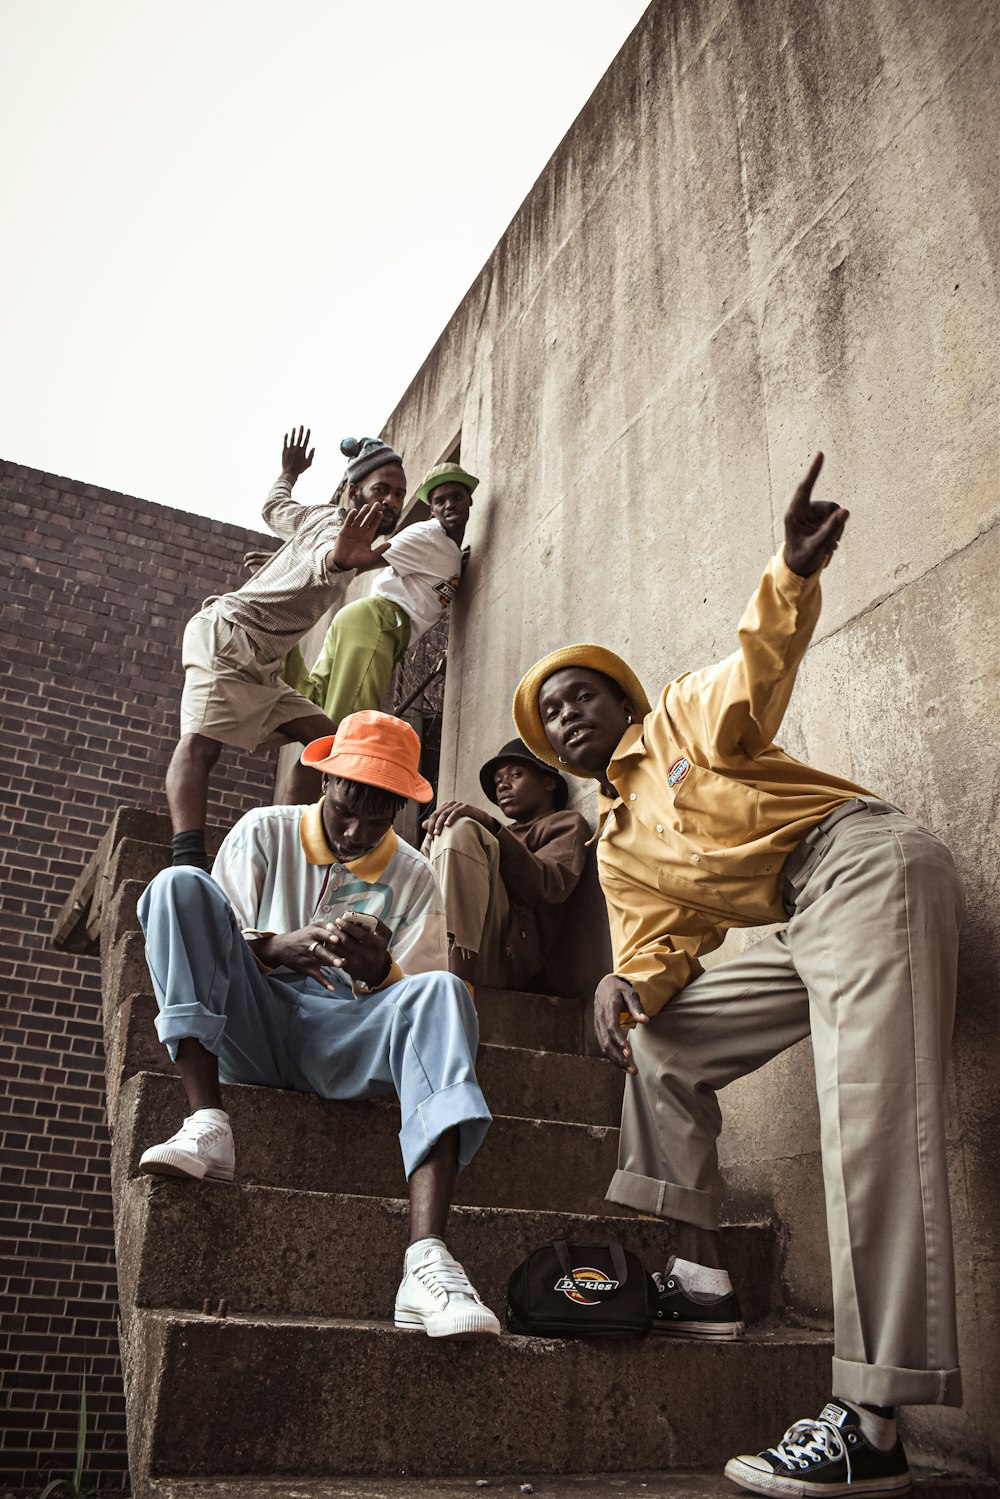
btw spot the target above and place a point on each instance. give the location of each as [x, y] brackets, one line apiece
[629, 745]
[370, 867]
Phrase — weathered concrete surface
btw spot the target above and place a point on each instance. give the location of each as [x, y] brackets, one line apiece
[514, 1404]
[706, 1484]
[527, 1084]
[772, 229]
[287, 1139]
[273, 1251]
[646, 1485]
[540, 1022]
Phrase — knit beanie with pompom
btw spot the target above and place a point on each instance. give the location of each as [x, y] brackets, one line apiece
[365, 454]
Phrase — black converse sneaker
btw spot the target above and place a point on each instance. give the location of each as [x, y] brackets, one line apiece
[830, 1455]
[693, 1314]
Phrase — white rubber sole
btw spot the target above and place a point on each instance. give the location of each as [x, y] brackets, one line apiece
[475, 1323]
[757, 1482]
[716, 1332]
[167, 1160]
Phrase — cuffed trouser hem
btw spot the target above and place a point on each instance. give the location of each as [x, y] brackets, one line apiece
[664, 1200]
[190, 1020]
[875, 1384]
[461, 1104]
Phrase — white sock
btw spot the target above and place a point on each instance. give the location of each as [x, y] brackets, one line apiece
[700, 1278]
[417, 1253]
[880, 1430]
[211, 1116]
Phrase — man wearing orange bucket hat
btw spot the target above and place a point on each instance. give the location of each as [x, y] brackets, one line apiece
[315, 958]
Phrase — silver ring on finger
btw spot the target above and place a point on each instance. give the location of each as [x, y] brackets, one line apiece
[313, 945]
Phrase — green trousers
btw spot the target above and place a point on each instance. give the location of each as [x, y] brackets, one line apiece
[360, 653]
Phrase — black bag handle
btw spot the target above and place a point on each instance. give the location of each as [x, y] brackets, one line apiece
[617, 1259]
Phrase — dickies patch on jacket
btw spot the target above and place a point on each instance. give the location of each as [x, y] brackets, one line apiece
[678, 771]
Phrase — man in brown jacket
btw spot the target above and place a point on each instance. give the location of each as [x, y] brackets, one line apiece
[503, 885]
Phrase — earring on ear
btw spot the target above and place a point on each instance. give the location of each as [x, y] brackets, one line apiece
[561, 760]
[628, 717]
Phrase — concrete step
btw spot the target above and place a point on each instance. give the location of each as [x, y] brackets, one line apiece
[528, 1084]
[703, 1483]
[537, 1022]
[270, 1251]
[362, 1398]
[286, 1139]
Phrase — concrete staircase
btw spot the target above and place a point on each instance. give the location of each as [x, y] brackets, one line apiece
[304, 1387]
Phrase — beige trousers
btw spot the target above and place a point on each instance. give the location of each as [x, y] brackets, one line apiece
[867, 966]
[466, 860]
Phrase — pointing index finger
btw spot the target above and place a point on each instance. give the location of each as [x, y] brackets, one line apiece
[801, 497]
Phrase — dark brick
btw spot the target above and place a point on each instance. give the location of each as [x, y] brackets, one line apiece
[89, 723]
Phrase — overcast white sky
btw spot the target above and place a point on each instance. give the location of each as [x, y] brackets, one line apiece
[223, 216]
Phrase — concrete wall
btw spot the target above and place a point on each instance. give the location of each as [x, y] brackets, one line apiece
[772, 229]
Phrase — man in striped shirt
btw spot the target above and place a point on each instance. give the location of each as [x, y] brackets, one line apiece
[235, 646]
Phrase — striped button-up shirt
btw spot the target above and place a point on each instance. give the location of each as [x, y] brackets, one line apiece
[296, 587]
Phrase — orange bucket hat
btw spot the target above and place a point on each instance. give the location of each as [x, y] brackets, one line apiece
[374, 748]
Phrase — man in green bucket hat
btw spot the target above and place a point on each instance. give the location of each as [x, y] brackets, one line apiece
[420, 577]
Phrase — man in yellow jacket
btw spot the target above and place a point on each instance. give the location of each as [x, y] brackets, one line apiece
[705, 825]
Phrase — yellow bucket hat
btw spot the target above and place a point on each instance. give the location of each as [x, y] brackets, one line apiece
[527, 718]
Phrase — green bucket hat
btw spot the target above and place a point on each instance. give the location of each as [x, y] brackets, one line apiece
[445, 473]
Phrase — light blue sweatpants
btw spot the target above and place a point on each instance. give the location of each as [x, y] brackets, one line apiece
[416, 1038]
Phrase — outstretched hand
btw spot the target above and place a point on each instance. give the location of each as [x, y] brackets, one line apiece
[812, 527]
[353, 547]
[295, 458]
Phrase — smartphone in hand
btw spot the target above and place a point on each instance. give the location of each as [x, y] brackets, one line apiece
[362, 919]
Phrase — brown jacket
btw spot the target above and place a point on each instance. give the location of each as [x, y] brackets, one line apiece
[540, 864]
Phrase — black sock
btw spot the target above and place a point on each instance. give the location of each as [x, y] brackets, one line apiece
[189, 848]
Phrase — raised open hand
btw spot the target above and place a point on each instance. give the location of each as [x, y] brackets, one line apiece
[295, 458]
[812, 527]
[353, 547]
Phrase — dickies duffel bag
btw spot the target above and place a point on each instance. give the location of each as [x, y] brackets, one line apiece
[567, 1290]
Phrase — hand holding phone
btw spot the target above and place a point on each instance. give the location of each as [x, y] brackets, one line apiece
[362, 919]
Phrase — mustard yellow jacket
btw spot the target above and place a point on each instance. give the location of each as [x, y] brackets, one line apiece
[707, 806]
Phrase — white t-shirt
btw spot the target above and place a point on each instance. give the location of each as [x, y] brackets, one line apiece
[425, 567]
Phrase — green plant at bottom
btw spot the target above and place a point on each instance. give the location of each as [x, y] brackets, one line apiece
[72, 1485]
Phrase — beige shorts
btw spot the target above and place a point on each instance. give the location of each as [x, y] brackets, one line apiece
[229, 695]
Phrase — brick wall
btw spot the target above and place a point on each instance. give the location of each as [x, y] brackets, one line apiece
[95, 589]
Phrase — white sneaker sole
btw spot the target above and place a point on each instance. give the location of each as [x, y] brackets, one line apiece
[477, 1322]
[718, 1332]
[758, 1482]
[167, 1160]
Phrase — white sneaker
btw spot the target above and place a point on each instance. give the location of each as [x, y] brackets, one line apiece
[203, 1146]
[437, 1295]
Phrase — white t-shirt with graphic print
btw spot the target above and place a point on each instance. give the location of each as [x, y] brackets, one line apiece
[423, 574]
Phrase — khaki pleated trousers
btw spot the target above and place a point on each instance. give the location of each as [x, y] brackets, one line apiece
[867, 967]
[466, 859]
